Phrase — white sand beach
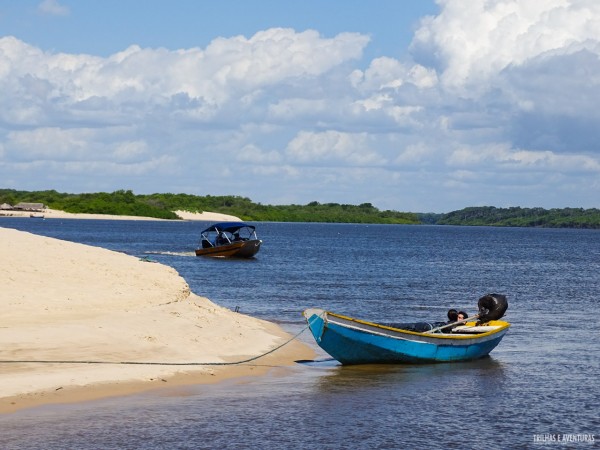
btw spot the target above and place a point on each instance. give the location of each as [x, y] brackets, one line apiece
[208, 216]
[63, 301]
[49, 213]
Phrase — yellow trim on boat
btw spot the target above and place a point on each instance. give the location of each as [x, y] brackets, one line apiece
[495, 323]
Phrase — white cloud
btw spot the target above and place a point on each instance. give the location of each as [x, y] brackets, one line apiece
[505, 159]
[332, 148]
[49, 144]
[228, 68]
[414, 154]
[497, 88]
[130, 150]
[295, 108]
[254, 155]
[162, 164]
[388, 73]
[476, 40]
[53, 8]
[287, 171]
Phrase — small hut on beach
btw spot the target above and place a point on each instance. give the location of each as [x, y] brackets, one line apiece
[22, 206]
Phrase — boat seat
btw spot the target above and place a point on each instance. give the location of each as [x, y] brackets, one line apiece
[417, 327]
[474, 330]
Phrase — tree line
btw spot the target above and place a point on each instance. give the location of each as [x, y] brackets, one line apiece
[161, 206]
[523, 217]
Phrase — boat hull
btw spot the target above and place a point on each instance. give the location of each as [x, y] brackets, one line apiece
[243, 249]
[352, 341]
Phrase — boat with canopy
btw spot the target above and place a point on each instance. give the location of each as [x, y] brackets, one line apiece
[229, 239]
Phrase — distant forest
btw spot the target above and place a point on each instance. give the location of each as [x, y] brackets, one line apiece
[523, 217]
[161, 206]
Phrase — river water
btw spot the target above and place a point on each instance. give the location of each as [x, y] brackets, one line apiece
[539, 388]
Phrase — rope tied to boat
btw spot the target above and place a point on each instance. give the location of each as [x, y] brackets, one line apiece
[157, 363]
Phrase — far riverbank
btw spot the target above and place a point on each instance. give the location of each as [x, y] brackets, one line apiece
[49, 213]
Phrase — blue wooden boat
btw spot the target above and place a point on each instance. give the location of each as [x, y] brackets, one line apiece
[354, 341]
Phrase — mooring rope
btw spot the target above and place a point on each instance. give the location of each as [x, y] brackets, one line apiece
[153, 363]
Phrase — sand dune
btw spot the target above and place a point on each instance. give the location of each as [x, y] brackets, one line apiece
[70, 302]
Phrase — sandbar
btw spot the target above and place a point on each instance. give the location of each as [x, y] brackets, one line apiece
[70, 303]
[49, 213]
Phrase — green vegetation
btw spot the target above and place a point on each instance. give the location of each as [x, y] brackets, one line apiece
[161, 206]
[429, 218]
[523, 217]
[246, 209]
[123, 203]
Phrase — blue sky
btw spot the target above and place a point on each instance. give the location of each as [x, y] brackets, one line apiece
[104, 27]
[411, 105]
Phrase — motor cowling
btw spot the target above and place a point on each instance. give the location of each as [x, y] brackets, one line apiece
[492, 307]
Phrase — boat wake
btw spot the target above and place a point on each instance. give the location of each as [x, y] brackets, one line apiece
[171, 253]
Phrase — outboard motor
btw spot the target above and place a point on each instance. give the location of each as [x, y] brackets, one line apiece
[492, 307]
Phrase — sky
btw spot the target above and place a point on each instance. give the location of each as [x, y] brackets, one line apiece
[413, 105]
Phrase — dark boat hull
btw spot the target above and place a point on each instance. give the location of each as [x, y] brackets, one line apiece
[243, 249]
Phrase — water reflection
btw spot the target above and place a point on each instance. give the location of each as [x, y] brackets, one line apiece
[334, 377]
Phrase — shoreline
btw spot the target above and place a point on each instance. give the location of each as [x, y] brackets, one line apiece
[58, 214]
[61, 395]
[64, 301]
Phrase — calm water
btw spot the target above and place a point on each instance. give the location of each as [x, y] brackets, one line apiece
[540, 381]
